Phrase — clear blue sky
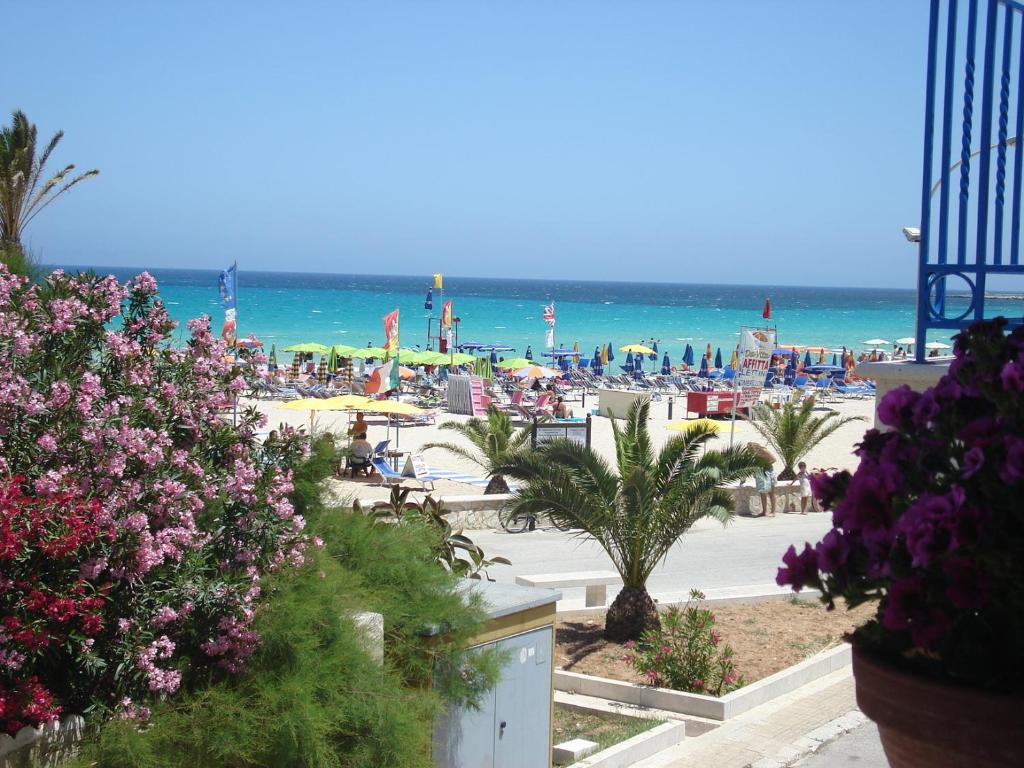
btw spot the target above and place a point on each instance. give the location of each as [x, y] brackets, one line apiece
[740, 142]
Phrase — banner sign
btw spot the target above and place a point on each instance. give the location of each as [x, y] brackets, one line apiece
[391, 331]
[446, 315]
[756, 346]
[574, 431]
[228, 285]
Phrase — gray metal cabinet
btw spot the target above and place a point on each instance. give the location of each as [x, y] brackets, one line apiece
[513, 726]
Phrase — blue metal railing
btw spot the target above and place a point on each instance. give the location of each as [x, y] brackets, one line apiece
[983, 237]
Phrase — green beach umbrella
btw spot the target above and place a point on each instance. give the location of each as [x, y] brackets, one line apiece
[343, 350]
[482, 368]
[307, 347]
[366, 353]
[433, 358]
[332, 361]
[515, 363]
[272, 360]
[461, 358]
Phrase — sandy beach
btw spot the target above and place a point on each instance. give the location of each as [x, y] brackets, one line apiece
[836, 451]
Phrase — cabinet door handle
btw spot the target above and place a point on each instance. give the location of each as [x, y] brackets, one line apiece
[502, 725]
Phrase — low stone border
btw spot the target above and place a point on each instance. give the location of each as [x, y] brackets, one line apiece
[636, 748]
[45, 747]
[712, 707]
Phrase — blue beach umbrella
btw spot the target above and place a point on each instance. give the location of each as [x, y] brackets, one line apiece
[794, 359]
[790, 375]
[654, 354]
[718, 358]
[807, 359]
[703, 366]
[595, 363]
[666, 365]
[835, 359]
[628, 366]
[611, 354]
[688, 355]
[529, 352]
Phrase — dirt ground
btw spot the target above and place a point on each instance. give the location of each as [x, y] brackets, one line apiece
[766, 636]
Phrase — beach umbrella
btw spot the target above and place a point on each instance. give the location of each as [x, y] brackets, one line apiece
[496, 348]
[369, 353]
[515, 363]
[835, 359]
[344, 403]
[936, 345]
[629, 366]
[537, 372]
[392, 406]
[790, 375]
[576, 349]
[560, 352]
[611, 354]
[462, 358]
[688, 355]
[718, 358]
[529, 352]
[807, 359]
[823, 368]
[638, 348]
[272, 360]
[666, 365]
[734, 361]
[703, 366]
[766, 313]
[482, 368]
[470, 345]
[295, 366]
[307, 347]
[707, 352]
[321, 370]
[654, 354]
[687, 424]
[494, 357]
[332, 361]
[250, 343]
[596, 365]
[876, 343]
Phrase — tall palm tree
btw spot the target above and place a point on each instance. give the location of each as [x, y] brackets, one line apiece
[638, 513]
[494, 440]
[793, 430]
[23, 193]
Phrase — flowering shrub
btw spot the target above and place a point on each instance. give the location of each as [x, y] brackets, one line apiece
[932, 522]
[686, 654]
[135, 521]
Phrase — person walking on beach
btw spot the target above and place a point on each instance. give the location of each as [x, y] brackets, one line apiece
[804, 479]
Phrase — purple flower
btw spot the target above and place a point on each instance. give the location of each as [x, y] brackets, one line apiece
[833, 551]
[828, 488]
[800, 569]
[1012, 470]
[1012, 377]
[907, 608]
[928, 526]
[967, 585]
[866, 506]
[974, 460]
[980, 432]
[896, 405]
[926, 409]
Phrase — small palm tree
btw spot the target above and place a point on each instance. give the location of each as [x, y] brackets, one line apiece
[494, 438]
[23, 194]
[793, 430]
[638, 513]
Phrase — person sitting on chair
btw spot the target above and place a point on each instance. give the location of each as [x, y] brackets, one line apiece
[362, 456]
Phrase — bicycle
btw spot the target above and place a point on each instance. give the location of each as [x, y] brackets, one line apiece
[517, 522]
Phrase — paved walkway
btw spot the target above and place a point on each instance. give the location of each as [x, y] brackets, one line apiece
[775, 734]
[746, 553]
[859, 747]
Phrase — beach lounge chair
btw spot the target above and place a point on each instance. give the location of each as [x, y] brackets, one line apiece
[389, 476]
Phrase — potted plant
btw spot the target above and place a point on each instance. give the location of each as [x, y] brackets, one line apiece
[931, 526]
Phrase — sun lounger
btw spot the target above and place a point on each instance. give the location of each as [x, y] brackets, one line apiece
[389, 476]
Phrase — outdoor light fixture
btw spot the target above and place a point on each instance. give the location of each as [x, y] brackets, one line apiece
[913, 234]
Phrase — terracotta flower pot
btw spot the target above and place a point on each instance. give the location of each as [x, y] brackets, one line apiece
[926, 722]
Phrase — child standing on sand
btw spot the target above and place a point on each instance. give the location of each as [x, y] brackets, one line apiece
[805, 489]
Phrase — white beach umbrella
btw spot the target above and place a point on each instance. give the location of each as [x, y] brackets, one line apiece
[936, 345]
[875, 342]
[907, 341]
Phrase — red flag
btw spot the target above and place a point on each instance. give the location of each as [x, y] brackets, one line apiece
[391, 331]
[549, 314]
[767, 314]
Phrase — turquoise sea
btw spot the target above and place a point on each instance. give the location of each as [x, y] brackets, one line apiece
[287, 307]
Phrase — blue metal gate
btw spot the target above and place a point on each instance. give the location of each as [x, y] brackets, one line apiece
[970, 222]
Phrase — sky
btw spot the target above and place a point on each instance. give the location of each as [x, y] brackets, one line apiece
[744, 142]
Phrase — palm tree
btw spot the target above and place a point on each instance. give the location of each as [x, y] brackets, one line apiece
[793, 430]
[494, 438]
[638, 513]
[23, 194]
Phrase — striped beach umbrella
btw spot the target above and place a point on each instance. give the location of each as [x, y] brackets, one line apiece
[295, 366]
[321, 370]
[272, 359]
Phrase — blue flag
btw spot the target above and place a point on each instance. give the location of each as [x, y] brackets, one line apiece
[228, 285]
[429, 303]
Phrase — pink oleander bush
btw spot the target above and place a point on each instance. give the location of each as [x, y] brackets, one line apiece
[135, 521]
[686, 653]
[931, 525]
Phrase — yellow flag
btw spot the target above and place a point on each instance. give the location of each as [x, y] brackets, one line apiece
[438, 281]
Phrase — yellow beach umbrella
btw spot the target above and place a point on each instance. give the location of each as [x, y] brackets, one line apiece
[683, 426]
[343, 350]
[604, 355]
[393, 406]
[345, 403]
[368, 352]
[514, 363]
[461, 358]
[708, 353]
[734, 363]
[640, 348]
[576, 349]
[308, 347]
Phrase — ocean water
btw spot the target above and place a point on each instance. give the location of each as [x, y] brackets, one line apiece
[283, 308]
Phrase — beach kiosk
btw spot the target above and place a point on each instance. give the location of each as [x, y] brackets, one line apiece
[512, 728]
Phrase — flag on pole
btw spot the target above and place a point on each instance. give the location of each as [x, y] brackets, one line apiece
[549, 339]
[391, 331]
[549, 314]
[767, 313]
[446, 315]
[438, 281]
[228, 285]
[429, 302]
